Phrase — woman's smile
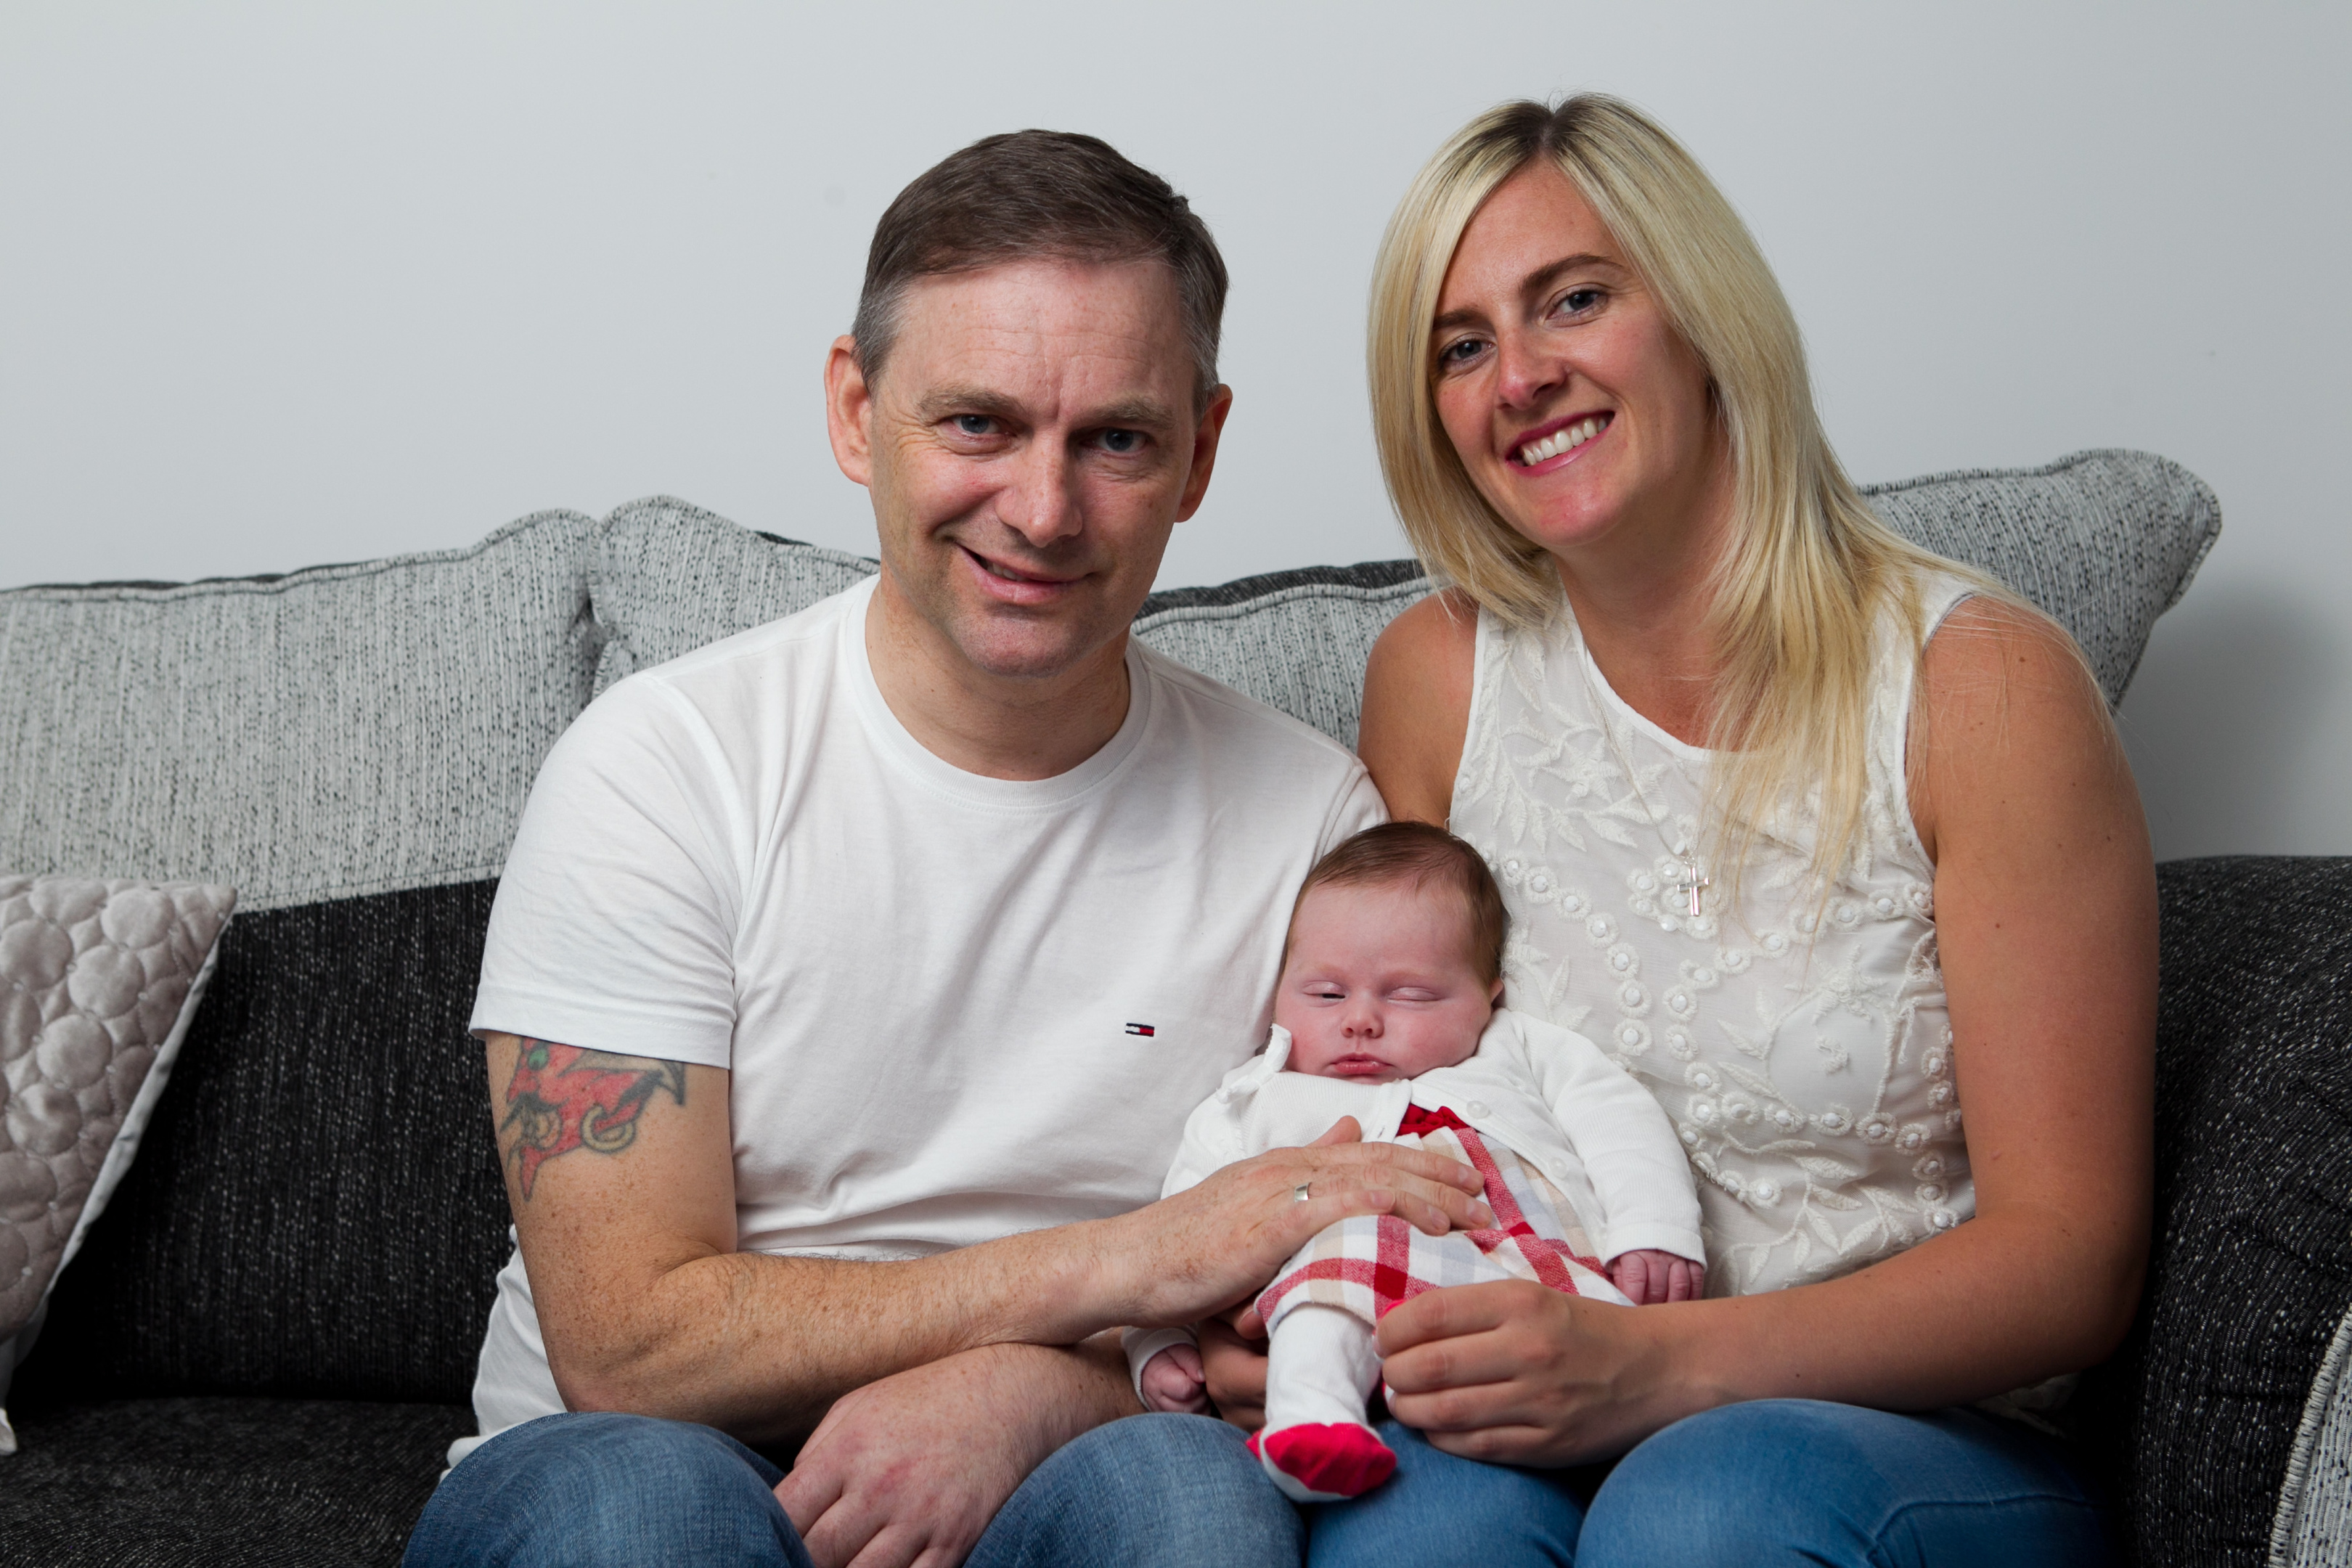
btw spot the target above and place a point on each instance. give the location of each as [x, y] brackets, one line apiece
[1551, 446]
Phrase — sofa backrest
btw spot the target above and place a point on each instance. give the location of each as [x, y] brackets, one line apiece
[2106, 541]
[668, 577]
[317, 1208]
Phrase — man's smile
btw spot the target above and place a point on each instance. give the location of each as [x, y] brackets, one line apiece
[1014, 584]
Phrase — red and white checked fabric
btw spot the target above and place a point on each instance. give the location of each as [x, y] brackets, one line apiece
[1373, 1262]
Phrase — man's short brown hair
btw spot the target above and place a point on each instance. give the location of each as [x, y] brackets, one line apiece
[1031, 195]
[1417, 854]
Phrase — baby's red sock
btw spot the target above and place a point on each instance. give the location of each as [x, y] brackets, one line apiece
[1324, 1461]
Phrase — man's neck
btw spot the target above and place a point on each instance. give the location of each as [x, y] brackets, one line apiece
[1000, 726]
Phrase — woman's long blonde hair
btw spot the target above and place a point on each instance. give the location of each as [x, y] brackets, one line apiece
[1811, 573]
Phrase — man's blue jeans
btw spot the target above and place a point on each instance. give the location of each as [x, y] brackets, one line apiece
[591, 1490]
[1777, 1481]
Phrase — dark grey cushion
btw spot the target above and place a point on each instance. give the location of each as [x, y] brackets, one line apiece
[317, 1208]
[221, 1483]
[2252, 1263]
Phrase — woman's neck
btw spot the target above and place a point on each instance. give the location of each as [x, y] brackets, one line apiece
[1642, 599]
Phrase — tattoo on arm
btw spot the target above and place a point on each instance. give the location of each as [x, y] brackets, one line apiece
[562, 1097]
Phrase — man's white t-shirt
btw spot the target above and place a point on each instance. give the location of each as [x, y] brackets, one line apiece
[953, 1007]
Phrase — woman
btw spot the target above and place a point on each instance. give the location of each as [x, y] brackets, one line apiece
[1825, 836]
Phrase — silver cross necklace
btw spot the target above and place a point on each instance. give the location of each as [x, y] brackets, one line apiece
[1690, 878]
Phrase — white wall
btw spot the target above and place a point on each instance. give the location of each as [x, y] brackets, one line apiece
[290, 283]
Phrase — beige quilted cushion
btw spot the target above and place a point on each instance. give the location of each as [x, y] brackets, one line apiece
[98, 980]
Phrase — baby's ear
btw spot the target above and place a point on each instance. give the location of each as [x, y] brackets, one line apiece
[1494, 998]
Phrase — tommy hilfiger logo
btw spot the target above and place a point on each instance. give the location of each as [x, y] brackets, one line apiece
[1144, 1029]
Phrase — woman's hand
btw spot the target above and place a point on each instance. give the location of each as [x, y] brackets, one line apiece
[1235, 1368]
[1515, 1373]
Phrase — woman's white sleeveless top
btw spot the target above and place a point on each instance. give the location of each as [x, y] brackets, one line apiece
[1806, 1062]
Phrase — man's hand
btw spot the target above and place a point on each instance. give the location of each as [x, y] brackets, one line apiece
[909, 1469]
[1213, 1245]
[1649, 1277]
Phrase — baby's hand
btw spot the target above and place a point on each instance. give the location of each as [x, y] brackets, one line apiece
[1649, 1277]
[1173, 1382]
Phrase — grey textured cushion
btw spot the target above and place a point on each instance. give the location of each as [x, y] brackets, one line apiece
[337, 731]
[98, 982]
[667, 577]
[1294, 640]
[2106, 541]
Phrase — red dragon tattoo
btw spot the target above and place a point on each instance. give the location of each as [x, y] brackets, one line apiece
[562, 1097]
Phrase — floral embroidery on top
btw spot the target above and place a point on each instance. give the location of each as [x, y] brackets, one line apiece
[1800, 1044]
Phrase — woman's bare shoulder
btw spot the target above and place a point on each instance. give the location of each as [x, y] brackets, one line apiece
[2007, 717]
[1437, 635]
[1994, 662]
[1417, 688]
[1984, 635]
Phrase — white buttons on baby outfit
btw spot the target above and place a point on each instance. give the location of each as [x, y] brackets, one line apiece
[1477, 1107]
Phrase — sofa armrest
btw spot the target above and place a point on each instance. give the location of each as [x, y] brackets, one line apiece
[2195, 1418]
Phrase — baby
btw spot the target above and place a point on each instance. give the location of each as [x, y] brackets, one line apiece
[1387, 1011]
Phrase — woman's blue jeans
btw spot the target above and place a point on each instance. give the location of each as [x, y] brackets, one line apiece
[1777, 1481]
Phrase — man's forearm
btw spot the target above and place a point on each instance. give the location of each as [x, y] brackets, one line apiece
[774, 1341]
[644, 1303]
[620, 1173]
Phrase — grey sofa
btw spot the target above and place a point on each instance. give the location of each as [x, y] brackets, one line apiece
[268, 1337]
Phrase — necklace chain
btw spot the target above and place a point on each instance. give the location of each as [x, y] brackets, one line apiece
[1692, 878]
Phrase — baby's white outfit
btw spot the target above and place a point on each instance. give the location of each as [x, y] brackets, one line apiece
[1580, 1165]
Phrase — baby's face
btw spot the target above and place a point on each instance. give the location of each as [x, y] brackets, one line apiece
[1379, 984]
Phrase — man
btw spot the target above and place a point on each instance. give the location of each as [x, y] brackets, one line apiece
[850, 979]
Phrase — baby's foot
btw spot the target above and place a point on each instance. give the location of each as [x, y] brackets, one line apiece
[1319, 1462]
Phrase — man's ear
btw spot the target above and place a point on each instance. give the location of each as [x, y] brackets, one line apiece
[1204, 450]
[849, 411]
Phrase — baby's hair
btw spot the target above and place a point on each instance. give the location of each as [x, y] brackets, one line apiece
[1416, 853]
